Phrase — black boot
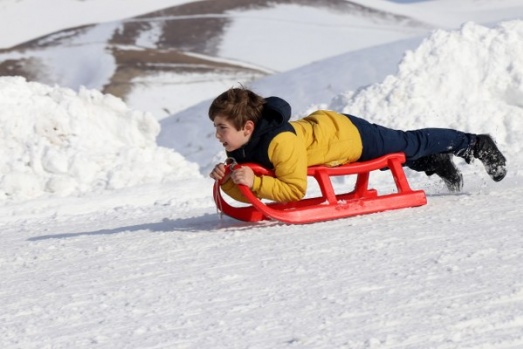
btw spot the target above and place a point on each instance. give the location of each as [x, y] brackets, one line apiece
[443, 166]
[487, 152]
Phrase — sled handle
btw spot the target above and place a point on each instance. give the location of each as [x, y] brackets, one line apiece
[248, 213]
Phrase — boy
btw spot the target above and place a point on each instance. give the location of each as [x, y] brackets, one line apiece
[256, 129]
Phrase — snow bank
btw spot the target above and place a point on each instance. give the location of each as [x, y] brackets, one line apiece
[54, 140]
[469, 79]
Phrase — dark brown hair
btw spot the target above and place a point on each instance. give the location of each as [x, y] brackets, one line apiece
[237, 105]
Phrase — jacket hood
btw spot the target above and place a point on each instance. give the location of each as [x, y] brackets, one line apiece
[276, 111]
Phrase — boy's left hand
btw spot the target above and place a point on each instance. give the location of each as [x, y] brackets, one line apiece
[243, 175]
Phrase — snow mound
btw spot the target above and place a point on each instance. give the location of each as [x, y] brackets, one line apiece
[469, 79]
[56, 141]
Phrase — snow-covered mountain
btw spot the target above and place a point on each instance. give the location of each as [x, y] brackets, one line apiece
[157, 59]
[111, 239]
[164, 55]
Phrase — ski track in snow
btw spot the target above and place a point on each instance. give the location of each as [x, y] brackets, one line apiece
[430, 280]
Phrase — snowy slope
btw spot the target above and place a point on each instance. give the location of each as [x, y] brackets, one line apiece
[171, 274]
[314, 30]
[148, 262]
[104, 56]
[30, 19]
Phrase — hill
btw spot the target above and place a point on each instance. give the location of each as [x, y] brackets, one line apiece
[112, 241]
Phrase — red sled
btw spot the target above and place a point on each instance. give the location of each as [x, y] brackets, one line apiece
[328, 206]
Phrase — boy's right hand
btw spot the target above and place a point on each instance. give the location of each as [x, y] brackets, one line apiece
[218, 173]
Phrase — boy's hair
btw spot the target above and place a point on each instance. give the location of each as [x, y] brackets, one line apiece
[237, 105]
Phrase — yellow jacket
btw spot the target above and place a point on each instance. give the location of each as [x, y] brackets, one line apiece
[322, 138]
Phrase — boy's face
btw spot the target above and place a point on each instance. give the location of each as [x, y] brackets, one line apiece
[229, 136]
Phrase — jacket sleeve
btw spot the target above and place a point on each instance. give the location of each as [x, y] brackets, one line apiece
[289, 157]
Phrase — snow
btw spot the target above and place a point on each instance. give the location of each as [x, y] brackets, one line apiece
[433, 73]
[92, 66]
[31, 19]
[61, 142]
[110, 238]
[345, 32]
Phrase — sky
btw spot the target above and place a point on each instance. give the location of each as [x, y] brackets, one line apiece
[111, 238]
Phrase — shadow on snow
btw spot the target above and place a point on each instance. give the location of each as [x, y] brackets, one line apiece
[205, 223]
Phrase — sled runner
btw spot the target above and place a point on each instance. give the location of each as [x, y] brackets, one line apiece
[328, 206]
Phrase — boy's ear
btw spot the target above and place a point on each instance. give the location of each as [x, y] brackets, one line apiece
[248, 128]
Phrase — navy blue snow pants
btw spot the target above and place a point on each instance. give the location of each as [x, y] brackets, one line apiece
[378, 141]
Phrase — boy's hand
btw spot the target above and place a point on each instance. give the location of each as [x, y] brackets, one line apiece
[243, 175]
[218, 172]
[240, 175]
